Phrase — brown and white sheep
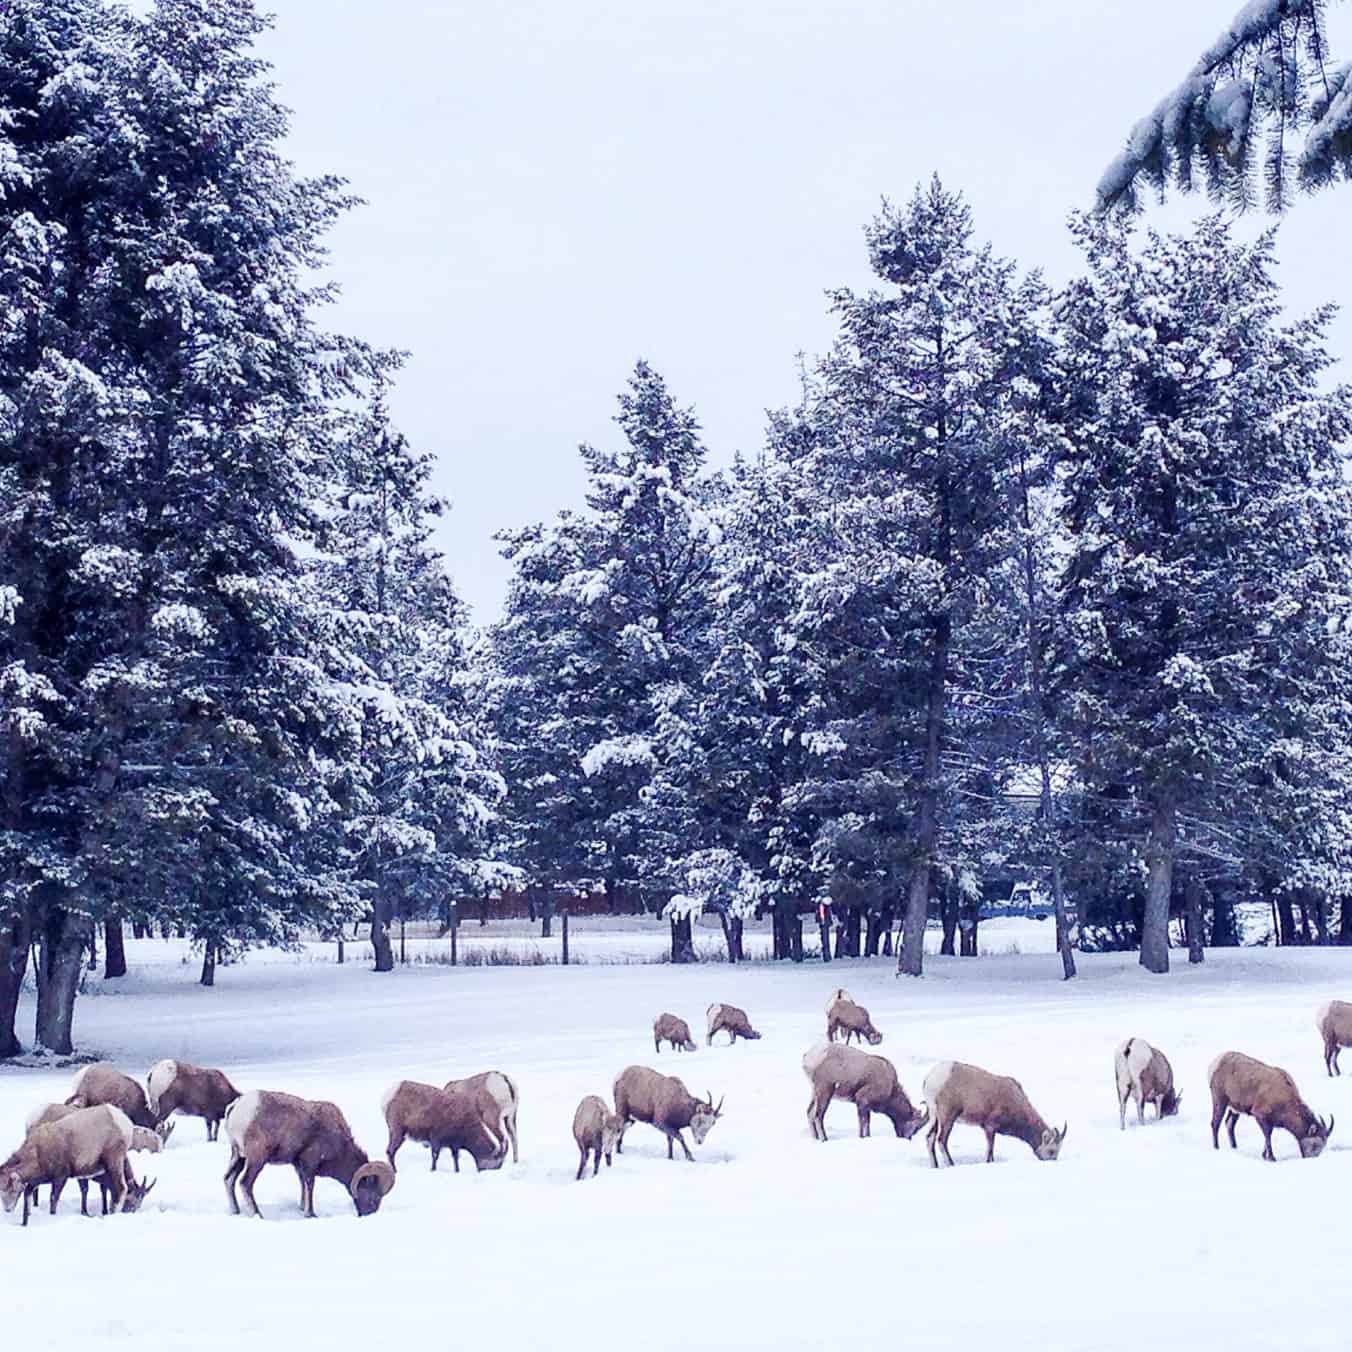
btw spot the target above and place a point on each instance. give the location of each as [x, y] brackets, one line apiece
[596, 1130]
[82, 1144]
[1240, 1084]
[731, 1020]
[662, 1101]
[444, 1121]
[869, 1082]
[102, 1083]
[1143, 1073]
[843, 1015]
[497, 1099]
[265, 1127]
[1335, 1027]
[195, 1091]
[668, 1028]
[141, 1139]
[997, 1104]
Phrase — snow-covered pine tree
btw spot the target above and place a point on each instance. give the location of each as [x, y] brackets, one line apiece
[1268, 79]
[908, 450]
[1209, 557]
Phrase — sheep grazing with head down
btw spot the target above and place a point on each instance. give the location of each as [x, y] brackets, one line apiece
[668, 1028]
[997, 1104]
[732, 1021]
[869, 1082]
[265, 1127]
[1334, 1022]
[101, 1083]
[596, 1130]
[180, 1087]
[1240, 1084]
[662, 1101]
[845, 1017]
[1143, 1073]
[454, 1122]
[495, 1096]
[141, 1139]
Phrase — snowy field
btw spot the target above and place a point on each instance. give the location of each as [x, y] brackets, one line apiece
[770, 1240]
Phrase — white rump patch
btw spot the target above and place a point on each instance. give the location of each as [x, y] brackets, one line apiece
[1211, 1069]
[502, 1091]
[123, 1124]
[388, 1096]
[161, 1076]
[1324, 1011]
[840, 993]
[714, 1012]
[79, 1080]
[815, 1055]
[58, 1111]
[937, 1078]
[239, 1117]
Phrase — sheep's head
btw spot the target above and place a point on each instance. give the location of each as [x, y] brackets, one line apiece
[704, 1117]
[488, 1151]
[688, 1045]
[11, 1187]
[137, 1191]
[164, 1130]
[610, 1133]
[917, 1119]
[1315, 1138]
[1169, 1104]
[369, 1185]
[141, 1139]
[1049, 1147]
[873, 1036]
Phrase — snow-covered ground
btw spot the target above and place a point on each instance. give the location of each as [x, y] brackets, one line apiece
[770, 1240]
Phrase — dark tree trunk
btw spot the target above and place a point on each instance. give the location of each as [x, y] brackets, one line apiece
[1287, 933]
[208, 977]
[613, 898]
[732, 935]
[873, 934]
[62, 939]
[138, 930]
[1195, 892]
[1319, 905]
[824, 934]
[563, 920]
[114, 950]
[853, 926]
[795, 923]
[1064, 930]
[1345, 920]
[1159, 856]
[483, 911]
[970, 935]
[948, 911]
[381, 945]
[887, 934]
[682, 941]
[16, 932]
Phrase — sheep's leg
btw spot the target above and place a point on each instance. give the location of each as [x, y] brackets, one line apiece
[944, 1134]
[930, 1137]
[232, 1172]
[990, 1145]
[1140, 1108]
[1336, 1050]
[669, 1148]
[58, 1184]
[1267, 1140]
[213, 1128]
[619, 1139]
[657, 1045]
[865, 1120]
[252, 1168]
[392, 1145]
[509, 1126]
[596, 1165]
[1217, 1112]
[455, 1157]
[1231, 1121]
[83, 1185]
[1122, 1109]
[680, 1140]
[436, 1155]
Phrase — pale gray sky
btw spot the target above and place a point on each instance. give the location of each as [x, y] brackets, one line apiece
[556, 189]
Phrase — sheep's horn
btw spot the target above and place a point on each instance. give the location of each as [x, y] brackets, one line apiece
[718, 1112]
[377, 1169]
[924, 1115]
[1065, 1126]
[1328, 1131]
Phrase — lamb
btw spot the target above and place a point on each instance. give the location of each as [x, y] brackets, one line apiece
[668, 1028]
[102, 1083]
[996, 1103]
[497, 1099]
[662, 1101]
[731, 1020]
[141, 1139]
[1144, 1073]
[596, 1130]
[1239, 1084]
[265, 1127]
[869, 1082]
[441, 1120]
[1335, 1027]
[842, 1014]
[90, 1143]
[180, 1087]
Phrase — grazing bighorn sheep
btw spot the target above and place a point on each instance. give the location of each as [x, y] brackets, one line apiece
[1335, 1027]
[596, 1130]
[668, 1028]
[1144, 1073]
[141, 1139]
[1239, 1084]
[441, 1120]
[497, 1099]
[731, 1020]
[265, 1127]
[662, 1101]
[180, 1087]
[843, 1015]
[102, 1083]
[997, 1104]
[84, 1144]
[869, 1082]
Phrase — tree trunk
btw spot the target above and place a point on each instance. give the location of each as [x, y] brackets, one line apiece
[948, 912]
[731, 935]
[114, 950]
[208, 977]
[1287, 933]
[887, 934]
[970, 935]
[139, 930]
[61, 944]
[1159, 855]
[824, 933]
[483, 912]
[15, 936]
[1345, 920]
[1195, 892]
[873, 934]
[795, 924]
[1064, 940]
[381, 945]
[682, 942]
[1223, 932]
[911, 959]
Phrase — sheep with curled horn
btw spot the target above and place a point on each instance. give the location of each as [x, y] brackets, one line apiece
[662, 1101]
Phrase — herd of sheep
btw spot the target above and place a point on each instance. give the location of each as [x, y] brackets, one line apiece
[109, 1114]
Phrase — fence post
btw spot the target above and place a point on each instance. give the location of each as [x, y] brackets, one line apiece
[455, 932]
[403, 955]
[564, 914]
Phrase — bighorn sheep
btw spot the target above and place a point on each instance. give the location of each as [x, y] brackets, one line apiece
[180, 1087]
[141, 1139]
[84, 1144]
[497, 1099]
[265, 1127]
[1335, 1027]
[596, 1130]
[997, 1104]
[869, 1082]
[731, 1020]
[843, 1015]
[441, 1120]
[662, 1101]
[102, 1083]
[668, 1028]
[1144, 1073]
[1239, 1084]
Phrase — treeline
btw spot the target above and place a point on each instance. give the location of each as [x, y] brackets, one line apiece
[1031, 585]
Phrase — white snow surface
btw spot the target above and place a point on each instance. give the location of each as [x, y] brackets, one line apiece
[769, 1240]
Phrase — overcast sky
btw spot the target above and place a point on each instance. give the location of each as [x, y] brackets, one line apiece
[557, 189]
